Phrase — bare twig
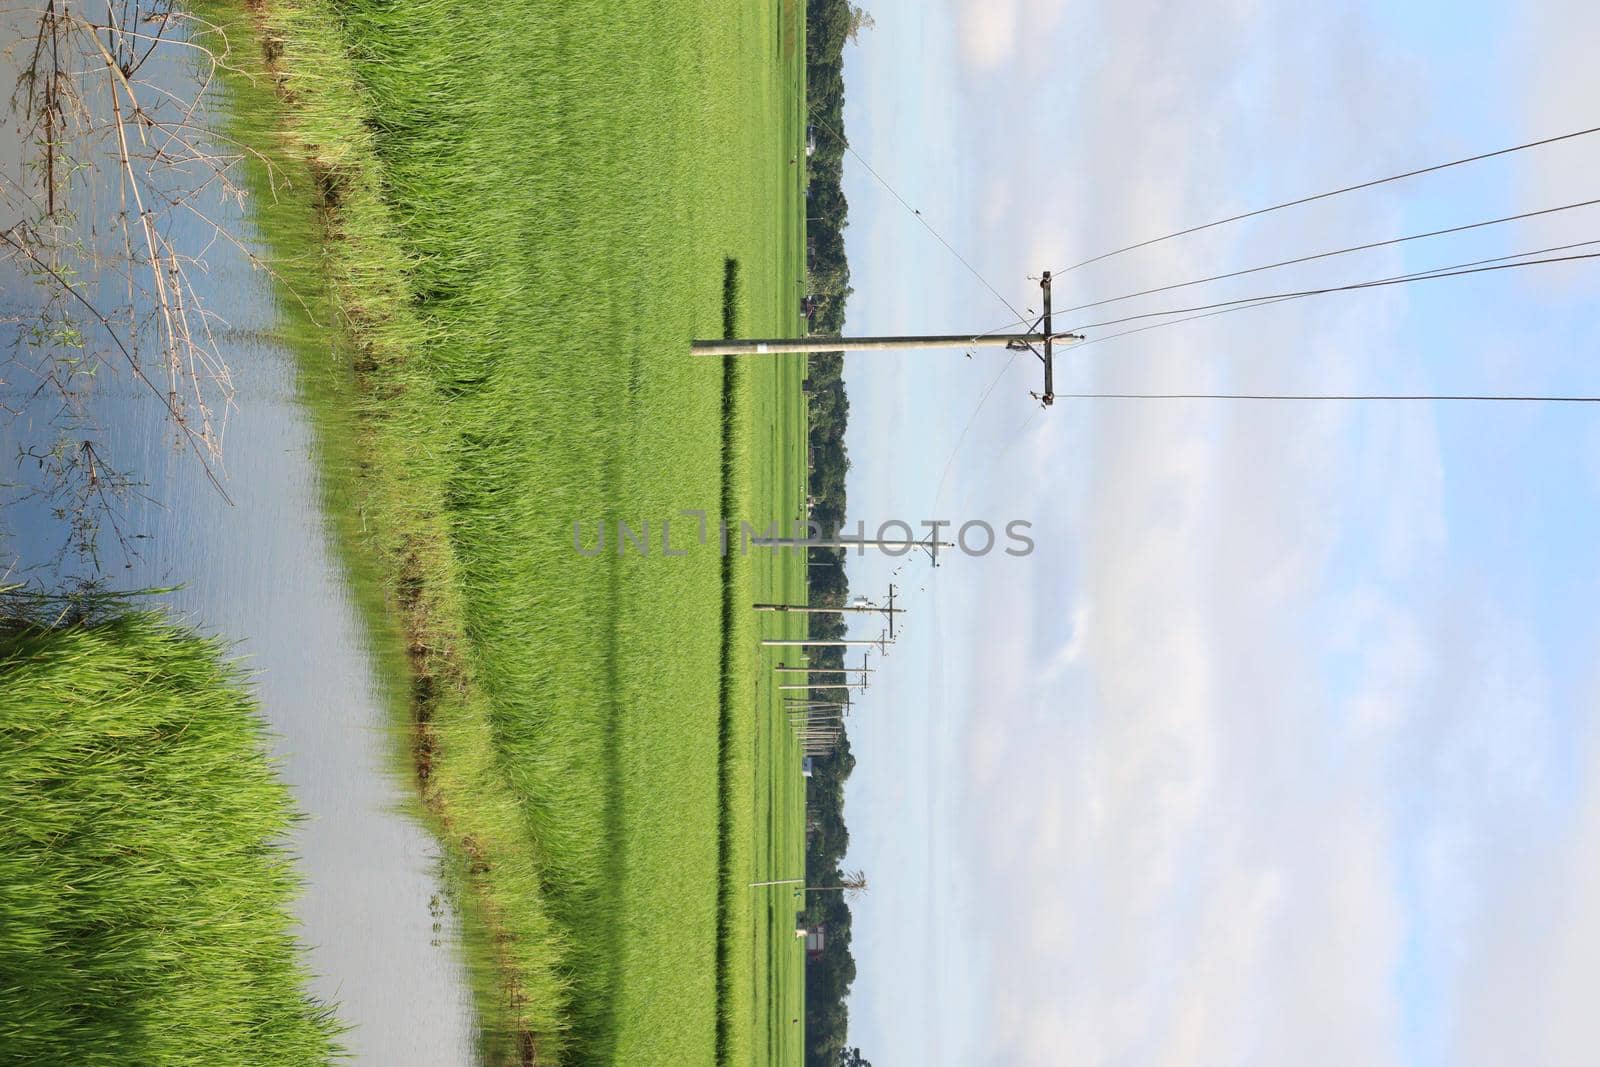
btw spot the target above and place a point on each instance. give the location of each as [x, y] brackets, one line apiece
[93, 107]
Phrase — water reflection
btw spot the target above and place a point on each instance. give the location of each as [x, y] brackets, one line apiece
[263, 572]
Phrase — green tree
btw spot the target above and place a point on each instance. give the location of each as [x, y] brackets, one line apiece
[830, 25]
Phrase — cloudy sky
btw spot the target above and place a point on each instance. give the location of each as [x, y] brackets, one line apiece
[1282, 747]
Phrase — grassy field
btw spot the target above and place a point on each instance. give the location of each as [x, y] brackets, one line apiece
[523, 213]
[145, 914]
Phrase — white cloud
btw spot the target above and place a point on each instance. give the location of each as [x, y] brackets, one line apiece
[988, 32]
[994, 33]
[1186, 880]
[1555, 48]
[1238, 705]
[1525, 987]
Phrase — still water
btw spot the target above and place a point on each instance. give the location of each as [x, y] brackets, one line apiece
[261, 572]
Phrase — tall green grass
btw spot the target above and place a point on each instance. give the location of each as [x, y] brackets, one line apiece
[526, 213]
[144, 890]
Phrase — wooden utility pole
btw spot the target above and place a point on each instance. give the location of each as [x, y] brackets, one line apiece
[794, 706]
[861, 606]
[927, 544]
[777, 346]
[881, 643]
[813, 705]
[812, 686]
[1041, 344]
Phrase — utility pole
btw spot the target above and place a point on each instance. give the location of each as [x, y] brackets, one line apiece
[793, 706]
[810, 686]
[860, 606]
[815, 705]
[884, 544]
[881, 643]
[863, 669]
[1045, 339]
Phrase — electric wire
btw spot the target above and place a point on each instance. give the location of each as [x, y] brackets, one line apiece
[1332, 193]
[1018, 434]
[1496, 398]
[1465, 227]
[1226, 307]
[1264, 301]
[1209, 311]
[1455, 271]
[938, 493]
[1020, 317]
[916, 214]
[1331, 254]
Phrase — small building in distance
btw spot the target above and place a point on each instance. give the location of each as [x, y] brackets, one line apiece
[806, 766]
[815, 937]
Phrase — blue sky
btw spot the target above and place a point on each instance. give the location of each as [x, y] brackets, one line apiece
[1282, 747]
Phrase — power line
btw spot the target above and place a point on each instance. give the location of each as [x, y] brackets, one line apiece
[1264, 301]
[1010, 442]
[961, 438]
[1020, 317]
[1399, 279]
[1497, 398]
[1336, 252]
[1245, 303]
[1021, 430]
[916, 214]
[982, 400]
[1334, 192]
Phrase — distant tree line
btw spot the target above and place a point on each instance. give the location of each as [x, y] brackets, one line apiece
[829, 25]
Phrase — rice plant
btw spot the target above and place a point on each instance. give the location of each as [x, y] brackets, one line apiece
[144, 884]
[525, 212]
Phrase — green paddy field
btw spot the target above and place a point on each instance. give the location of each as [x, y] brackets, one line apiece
[516, 216]
[145, 917]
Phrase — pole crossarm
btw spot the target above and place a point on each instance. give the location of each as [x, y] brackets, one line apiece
[1048, 397]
